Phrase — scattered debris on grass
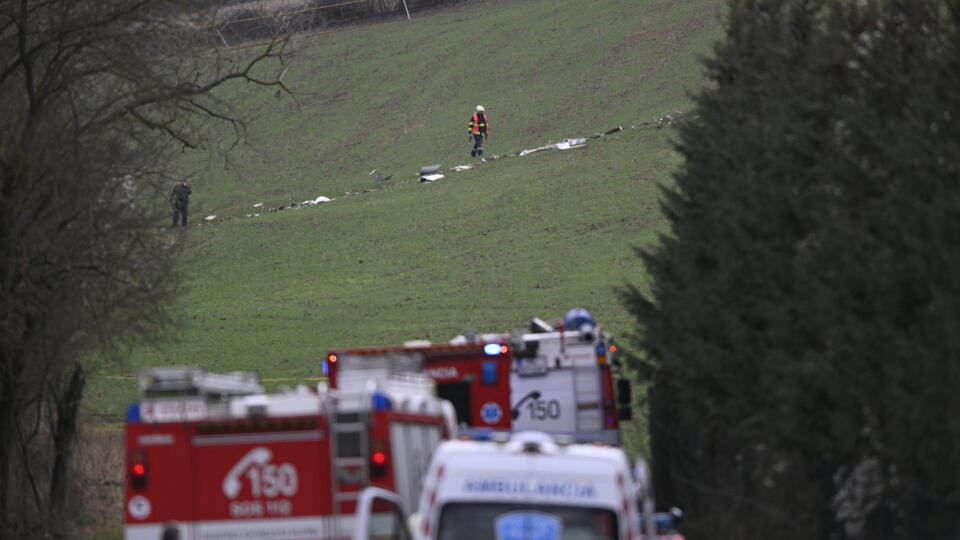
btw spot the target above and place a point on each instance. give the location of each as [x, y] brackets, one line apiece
[377, 178]
[432, 173]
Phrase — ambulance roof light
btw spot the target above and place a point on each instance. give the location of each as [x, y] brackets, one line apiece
[482, 434]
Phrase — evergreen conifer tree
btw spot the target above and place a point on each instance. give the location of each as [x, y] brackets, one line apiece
[799, 333]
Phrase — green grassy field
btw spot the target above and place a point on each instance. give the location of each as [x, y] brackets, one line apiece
[485, 248]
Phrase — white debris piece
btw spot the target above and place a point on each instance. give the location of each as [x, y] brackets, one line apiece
[570, 143]
[318, 200]
[430, 177]
[459, 168]
[258, 205]
[532, 150]
[210, 217]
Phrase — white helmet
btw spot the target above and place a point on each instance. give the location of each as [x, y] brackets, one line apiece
[479, 108]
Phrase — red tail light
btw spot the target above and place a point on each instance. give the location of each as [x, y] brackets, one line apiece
[379, 460]
[138, 469]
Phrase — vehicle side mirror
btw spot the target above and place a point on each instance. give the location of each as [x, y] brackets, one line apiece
[624, 392]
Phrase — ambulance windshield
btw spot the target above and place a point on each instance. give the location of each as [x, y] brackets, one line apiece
[518, 521]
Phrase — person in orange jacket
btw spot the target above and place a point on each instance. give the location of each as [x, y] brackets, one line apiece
[478, 129]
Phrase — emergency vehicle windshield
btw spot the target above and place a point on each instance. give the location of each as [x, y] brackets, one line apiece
[408, 362]
[518, 521]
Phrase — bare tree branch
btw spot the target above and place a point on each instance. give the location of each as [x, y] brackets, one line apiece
[98, 98]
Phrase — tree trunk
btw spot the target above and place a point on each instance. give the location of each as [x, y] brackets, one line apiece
[63, 437]
[8, 439]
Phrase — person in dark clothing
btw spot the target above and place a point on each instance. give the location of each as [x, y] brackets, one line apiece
[180, 200]
[477, 128]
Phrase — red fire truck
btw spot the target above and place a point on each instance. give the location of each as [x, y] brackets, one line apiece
[555, 380]
[214, 457]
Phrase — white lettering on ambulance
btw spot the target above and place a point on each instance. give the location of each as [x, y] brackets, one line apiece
[569, 489]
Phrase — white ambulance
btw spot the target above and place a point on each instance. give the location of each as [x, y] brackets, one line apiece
[527, 486]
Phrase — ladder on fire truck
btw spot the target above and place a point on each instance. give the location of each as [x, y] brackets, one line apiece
[189, 392]
[362, 388]
[349, 463]
[195, 381]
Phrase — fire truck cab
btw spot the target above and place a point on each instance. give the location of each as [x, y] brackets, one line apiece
[213, 456]
[474, 376]
[556, 380]
[528, 486]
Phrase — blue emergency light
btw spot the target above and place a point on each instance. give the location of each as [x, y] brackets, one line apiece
[492, 349]
[133, 412]
[665, 522]
[489, 372]
[381, 402]
[481, 434]
[577, 318]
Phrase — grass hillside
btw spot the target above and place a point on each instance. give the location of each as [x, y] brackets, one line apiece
[485, 248]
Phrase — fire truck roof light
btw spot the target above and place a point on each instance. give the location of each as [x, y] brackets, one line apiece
[381, 402]
[133, 413]
[332, 358]
[492, 349]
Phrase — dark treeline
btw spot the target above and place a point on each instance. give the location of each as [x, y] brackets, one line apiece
[239, 21]
[801, 330]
